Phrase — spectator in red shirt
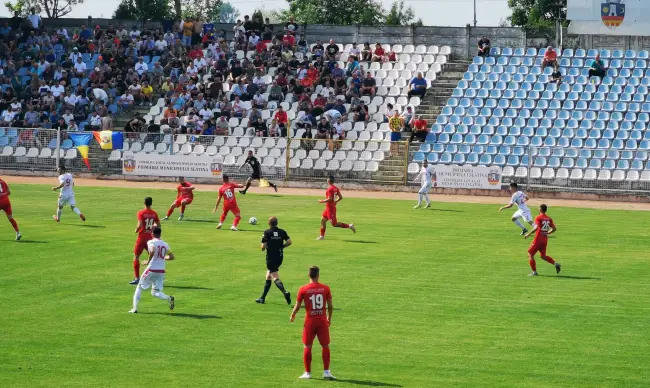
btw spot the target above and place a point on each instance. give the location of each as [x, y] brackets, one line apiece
[550, 58]
[420, 129]
[196, 52]
[378, 55]
[282, 119]
[289, 40]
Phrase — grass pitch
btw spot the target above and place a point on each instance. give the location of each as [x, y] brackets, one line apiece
[423, 298]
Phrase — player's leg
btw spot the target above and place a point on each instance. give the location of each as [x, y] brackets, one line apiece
[157, 289]
[308, 335]
[59, 207]
[516, 219]
[275, 187]
[323, 334]
[235, 222]
[278, 283]
[140, 246]
[532, 251]
[419, 198]
[75, 209]
[426, 195]
[12, 221]
[144, 283]
[174, 205]
[248, 184]
[323, 225]
[343, 225]
[185, 202]
[267, 288]
[549, 259]
[224, 214]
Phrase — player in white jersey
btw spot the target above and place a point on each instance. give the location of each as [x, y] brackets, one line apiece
[519, 199]
[66, 196]
[154, 275]
[425, 177]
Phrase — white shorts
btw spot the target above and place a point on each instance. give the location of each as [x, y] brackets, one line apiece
[66, 199]
[149, 278]
[424, 189]
[525, 214]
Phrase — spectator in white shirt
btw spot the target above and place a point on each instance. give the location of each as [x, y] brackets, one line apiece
[75, 55]
[253, 39]
[239, 30]
[34, 19]
[200, 64]
[259, 81]
[68, 116]
[192, 71]
[80, 68]
[63, 33]
[141, 68]
[259, 100]
[206, 114]
[58, 89]
[95, 121]
[134, 33]
[160, 45]
[8, 116]
[72, 126]
[100, 94]
[70, 101]
[127, 101]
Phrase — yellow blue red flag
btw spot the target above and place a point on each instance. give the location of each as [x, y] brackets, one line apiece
[110, 140]
[81, 141]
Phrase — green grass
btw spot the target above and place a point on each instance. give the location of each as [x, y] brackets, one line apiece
[423, 298]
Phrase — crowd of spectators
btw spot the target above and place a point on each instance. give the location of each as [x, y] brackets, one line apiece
[80, 79]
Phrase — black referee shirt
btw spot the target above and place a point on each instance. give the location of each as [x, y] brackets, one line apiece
[274, 239]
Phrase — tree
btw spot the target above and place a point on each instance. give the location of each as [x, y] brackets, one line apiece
[202, 9]
[536, 14]
[143, 10]
[53, 9]
[399, 14]
[228, 13]
[364, 12]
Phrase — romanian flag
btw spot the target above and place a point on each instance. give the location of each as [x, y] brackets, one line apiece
[81, 141]
[109, 140]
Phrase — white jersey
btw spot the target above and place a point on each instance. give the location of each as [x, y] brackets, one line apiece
[426, 175]
[68, 182]
[159, 249]
[519, 199]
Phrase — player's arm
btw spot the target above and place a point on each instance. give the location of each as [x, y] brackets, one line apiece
[239, 186]
[553, 228]
[243, 164]
[216, 206]
[508, 206]
[296, 308]
[57, 187]
[5, 193]
[150, 257]
[287, 243]
[532, 230]
[330, 310]
[138, 226]
[339, 197]
[526, 198]
[170, 256]
[329, 199]
[417, 177]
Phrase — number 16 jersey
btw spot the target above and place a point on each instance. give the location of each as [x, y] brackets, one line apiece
[314, 295]
[227, 191]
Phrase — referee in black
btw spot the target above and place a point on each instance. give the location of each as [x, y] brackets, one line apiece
[252, 161]
[273, 242]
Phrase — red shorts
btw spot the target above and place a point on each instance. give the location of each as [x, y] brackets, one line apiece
[141, 243]
[316, 328]
[330, 214]
[230, 207]
[187, 200]
[6, 206]
[538, 246]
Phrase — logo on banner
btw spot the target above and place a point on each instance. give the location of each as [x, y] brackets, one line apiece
[612, 14]
[128, 161]
[494, 176]
[216, 166]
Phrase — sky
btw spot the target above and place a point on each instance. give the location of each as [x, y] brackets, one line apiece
[456, 13]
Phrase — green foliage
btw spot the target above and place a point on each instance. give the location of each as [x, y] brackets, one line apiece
[423, 298]
[335, 12]
[227, 13]
[202, 9]
[143, 10]
[53, 9]
[536, 14]
[400, 14]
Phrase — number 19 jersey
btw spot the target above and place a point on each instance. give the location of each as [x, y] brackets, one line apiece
[314, 295]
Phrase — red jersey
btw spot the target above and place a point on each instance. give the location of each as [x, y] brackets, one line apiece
[147, 218]
[4, 189]
[314, 295]
[227, 192]
[332, 191]
[544, 224]
[183, 192]
[281, 117]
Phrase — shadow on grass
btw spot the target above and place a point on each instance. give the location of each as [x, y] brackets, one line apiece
[215, 221]
[25, 241]
[570, 277]
[367, 383]
[189, 288]
[88, 226]
[361, 241]
[432, 209]
[185, 315]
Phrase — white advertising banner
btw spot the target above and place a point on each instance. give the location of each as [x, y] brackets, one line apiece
[193, 166]
[468, 177]
[609, 17]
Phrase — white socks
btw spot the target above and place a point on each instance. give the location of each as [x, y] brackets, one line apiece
[518, 223]
[160, 295]
[136, 297]
[58, 213]
[426, 197]
[419, 199]
[76, 210]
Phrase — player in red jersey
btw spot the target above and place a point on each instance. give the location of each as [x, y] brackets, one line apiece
[5, 205]
[332, 197]
[184, 197]
[317, 321]
[147, 221]
[227, 192]
[542, 227]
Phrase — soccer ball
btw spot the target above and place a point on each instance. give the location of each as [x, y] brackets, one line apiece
[252, 221]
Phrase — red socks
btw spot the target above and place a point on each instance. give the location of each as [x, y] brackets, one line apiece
[344, 226]
[326, 358]
[182, 209]
[14, 224]
[549, 259]
[306, 358]
[322, 231]
[236, 221]
[533, 265]
[136, 268]
[170, 211]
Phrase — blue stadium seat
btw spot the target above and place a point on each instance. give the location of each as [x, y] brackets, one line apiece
[485, 160]
[432, 158]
